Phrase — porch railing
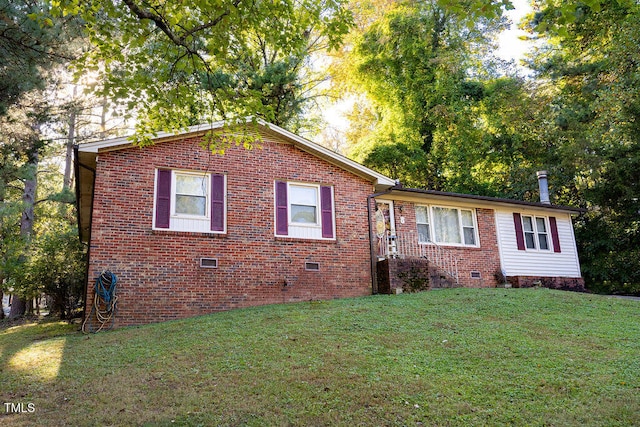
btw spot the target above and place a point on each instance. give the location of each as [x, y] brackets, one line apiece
[412, 245]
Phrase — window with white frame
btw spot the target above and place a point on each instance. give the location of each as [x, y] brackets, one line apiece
[304, 210]
[468, 227]
[446, 225]
[190, 201]
[422, 223]
[535, 231]
[192, 191]
[303, 202]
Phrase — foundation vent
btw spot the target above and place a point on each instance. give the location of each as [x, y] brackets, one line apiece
[209, 262]
[312, 266]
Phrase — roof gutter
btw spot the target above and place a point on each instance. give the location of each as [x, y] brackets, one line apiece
[487, 199]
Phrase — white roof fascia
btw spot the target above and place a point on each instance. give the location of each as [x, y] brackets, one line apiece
[302, 143]
[470, 200]
[124, 141]
[316, 149]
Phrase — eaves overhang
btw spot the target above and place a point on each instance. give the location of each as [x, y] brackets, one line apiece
[416, 195]
[380, 181]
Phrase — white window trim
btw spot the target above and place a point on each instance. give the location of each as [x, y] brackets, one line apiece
[428, 224]
[173, 215]
[536, 234]
[318, 223]
[432, 230]
[315, 230]
[174, 194]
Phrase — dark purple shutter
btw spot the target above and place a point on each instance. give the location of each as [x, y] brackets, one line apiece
[326, 209]
[217, 202]
[282, 216]
[517, 221]
[554, 234]
[163, 198]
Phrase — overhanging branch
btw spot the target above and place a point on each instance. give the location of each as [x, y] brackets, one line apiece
[179, 40]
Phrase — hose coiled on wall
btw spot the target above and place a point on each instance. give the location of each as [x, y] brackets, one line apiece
[104, 307]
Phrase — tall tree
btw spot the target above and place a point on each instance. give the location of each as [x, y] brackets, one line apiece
[591, 64]
[22, 146]
[19, 305]
[30, 42]
[179, 63]
[40, 251]
[419, 66]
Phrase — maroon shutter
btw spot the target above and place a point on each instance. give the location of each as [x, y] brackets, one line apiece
[163, 198]
[517, 221]
[282, 216]
[554, 234]
[217, 202]
[326, 209]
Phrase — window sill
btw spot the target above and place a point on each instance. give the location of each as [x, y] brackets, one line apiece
[305, 239]
[305, 225]
[190, 217]
[169, 232]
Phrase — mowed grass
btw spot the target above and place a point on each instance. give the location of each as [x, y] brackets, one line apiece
[448, 358]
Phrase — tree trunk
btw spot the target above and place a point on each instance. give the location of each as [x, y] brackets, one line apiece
[103, 118]
[71, 139]
[29, 195]
[2, 237]
[19, 305]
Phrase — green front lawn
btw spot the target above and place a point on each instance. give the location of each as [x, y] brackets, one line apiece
[451, 357]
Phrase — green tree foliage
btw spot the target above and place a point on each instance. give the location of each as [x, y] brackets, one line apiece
[178, 63]
[511, 141]
[30, 43]
[591, 62]
[53, 265]
[21, 153]
[40, 251]
[436, 117]
[418, 65]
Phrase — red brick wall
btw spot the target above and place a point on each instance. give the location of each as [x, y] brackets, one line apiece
[405, 275]
[158, 272]
[484, 259]
[563, 283]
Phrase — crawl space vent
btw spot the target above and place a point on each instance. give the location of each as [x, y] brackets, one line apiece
[475, 275]
[312, 266]
[209, 262]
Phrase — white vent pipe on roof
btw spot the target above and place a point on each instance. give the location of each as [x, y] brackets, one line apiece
[544, 187]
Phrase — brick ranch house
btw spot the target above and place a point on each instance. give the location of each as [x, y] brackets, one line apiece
[188, 232]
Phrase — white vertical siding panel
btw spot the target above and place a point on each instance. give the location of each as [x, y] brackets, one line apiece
[537, 263]
[302, 232]
[191, 225]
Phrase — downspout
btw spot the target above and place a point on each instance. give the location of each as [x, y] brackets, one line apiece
[77, 166]
[372, 249]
